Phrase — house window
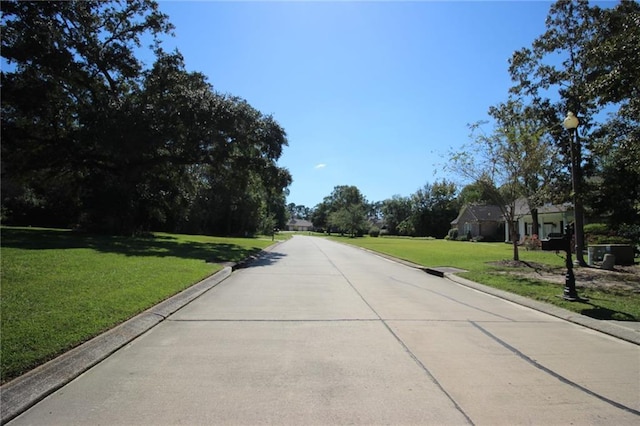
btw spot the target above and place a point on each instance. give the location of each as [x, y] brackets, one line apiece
[467, 227]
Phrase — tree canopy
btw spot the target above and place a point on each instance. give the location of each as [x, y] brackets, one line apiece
[587, 56]
[344, 211]
[584, 63]
[93, 138]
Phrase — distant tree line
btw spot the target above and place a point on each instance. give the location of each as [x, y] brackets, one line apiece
[93, 139]
[427, 212]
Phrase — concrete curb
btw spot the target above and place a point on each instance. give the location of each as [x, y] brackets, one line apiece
[608, 327]
[25, 391]
[618, 329]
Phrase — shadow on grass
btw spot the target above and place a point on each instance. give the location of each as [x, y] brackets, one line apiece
[154, 246]
[602, 313]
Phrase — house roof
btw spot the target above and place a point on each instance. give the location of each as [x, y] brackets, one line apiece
[489, 213]
[522, 207]
[480, 213]
[300, 222]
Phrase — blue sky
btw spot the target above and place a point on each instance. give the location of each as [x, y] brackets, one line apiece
[371, 94]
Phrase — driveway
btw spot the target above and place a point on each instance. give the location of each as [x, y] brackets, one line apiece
[321, 333]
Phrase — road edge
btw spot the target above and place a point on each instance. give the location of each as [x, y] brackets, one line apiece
[23, 392]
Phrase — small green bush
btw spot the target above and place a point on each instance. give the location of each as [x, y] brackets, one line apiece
[601, 233]
[608, 239]
[374, 231]
[596, 229]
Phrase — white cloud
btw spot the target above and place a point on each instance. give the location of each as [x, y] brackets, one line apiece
[320, 166]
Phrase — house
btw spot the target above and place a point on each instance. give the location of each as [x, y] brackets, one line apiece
[482, 220]
[299, 225]
[552, 219]
[489, 222]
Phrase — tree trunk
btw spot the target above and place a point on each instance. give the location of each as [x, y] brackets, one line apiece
[578, 209]
[514, 239]
[535, 226]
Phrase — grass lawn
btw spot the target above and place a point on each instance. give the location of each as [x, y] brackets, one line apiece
[60, 288]
[479, 258]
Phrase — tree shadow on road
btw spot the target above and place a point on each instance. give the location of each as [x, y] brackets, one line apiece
[263, 259]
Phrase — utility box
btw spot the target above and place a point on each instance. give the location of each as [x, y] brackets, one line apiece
[623, 253]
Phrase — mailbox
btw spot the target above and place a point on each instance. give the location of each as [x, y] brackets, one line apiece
[555, 243]
[558, 242]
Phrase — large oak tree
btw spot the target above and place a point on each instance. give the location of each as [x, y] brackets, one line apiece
[92, 137]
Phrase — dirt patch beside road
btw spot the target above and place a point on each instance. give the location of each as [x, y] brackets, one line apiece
[625, 279]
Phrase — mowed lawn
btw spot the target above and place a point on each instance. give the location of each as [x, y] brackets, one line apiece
[60, 288]
[480, 260]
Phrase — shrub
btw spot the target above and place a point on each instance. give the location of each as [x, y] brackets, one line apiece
[630, 231]
[374, 231]
[597, 233]
[405, 228]
[452, 234]
[601, 233]
[596, 229]
[532, 242]
[608, 239]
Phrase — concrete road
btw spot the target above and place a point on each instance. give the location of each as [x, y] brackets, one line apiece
[321, 333]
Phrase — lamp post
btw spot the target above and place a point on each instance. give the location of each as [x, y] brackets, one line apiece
[569, 293]
[571, 123]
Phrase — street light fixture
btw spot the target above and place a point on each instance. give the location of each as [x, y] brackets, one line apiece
[571, 123]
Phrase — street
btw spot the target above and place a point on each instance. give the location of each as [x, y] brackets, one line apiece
[317, 332]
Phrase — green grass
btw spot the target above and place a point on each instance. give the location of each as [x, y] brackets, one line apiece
[479, 258]
[463, 255]
[60, 288]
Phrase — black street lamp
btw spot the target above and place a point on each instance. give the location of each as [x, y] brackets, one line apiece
[571, 123]
[569, 293]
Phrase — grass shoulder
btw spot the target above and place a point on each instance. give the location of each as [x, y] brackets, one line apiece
[61, 288]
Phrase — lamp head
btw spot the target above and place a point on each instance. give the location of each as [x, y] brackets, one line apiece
[571, 122]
